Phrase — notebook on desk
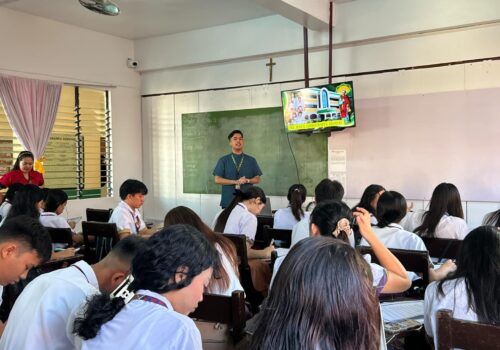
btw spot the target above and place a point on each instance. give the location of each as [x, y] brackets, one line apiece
[402, 315]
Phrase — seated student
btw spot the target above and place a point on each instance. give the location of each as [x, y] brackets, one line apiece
[28, 201]
[492, 219]
[126, 215]
[369, 200]
[150, 311]
[391, 208]
[324, 191]
[322, 298]
[472, 291]
[55, 203]
[225, 278]
[8, 199]
[332, 218]
[445, 217]
[286, 218]
[40, 316]
[24, 244]
[240, 218]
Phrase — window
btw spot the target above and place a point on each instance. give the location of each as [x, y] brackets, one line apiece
[78, 154]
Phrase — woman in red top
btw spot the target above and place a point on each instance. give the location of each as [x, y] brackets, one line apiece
[22, 172]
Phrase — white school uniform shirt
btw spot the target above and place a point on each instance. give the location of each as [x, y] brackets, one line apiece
[284, 219]
[39, 318]
[301, 229]
[49, 219]
[125, 218]
[454, 299]
[147, 326]
[241, 222]
[4, 209]
[234, 281]
[449, 227]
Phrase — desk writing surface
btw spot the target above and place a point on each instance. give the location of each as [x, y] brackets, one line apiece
[204, 141]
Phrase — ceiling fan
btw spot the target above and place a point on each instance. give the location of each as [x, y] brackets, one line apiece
[104, 7]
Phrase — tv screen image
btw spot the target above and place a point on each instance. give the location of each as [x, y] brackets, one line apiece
[319, 108]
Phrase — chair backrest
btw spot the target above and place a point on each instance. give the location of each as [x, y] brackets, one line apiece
[61, 235]
[282, 238]
[413, 260]
[443, 248]
[262, 220]
[105, 236]
[454, 333]
[229, 310]
[240, 243]
[99, 215]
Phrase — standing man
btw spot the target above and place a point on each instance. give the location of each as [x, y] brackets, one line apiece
[236, 170]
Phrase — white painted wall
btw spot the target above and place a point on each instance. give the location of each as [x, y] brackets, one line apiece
[369, 36]
[38, 48]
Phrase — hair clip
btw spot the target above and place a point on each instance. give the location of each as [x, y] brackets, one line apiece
[122, 290]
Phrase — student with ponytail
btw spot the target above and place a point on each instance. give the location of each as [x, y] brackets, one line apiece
[149, 311]
[240, 218]
[286, 218]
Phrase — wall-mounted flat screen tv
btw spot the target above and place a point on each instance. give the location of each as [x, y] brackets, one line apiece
[320, 108]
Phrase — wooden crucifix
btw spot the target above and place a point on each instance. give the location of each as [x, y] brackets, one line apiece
[270, 65]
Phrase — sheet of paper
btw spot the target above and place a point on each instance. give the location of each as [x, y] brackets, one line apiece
[402, 310]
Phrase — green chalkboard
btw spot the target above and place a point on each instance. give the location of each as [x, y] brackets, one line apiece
[204, 141]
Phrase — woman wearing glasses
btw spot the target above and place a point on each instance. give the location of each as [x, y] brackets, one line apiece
[150, 310]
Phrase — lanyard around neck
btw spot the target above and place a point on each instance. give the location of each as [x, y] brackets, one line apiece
[237, 166]
[150, 299]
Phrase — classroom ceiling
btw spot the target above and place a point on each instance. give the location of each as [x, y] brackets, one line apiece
[144, 18]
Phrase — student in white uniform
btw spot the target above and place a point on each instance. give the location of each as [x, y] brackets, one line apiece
[8, 199]
[286, 218]
[391, 208]
[445, 217]
[126, 215]
[472, 291]
[55, 203]
[240, 217]
[324, 191]
[492, 219]
[150, 311]
[322, 298]
[40, 316]
[369, 200]
[225, 278]
[24, 244]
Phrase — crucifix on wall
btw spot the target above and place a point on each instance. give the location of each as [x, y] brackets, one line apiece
[270, 65]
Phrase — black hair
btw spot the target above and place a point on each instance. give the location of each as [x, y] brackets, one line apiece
[25, 202]
[20, 157]
[391, 208]
[368, 196]
[322, 298]
[231, 134]
[492, 219]
[169, 251]
[445, 199]
[326, 216]
[328, 190]
[11, 192]
[296, 197]
[127, 248]
[30, 232]
[55, 197]
[132, 187]
[478, 264]
[239, 196]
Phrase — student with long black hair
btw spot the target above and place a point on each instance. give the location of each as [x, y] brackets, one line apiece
[492, 219]
[286, 218]
[369, 200]
[322, 298]
[149, 311]
[445, 217]
[472, 291]
[240, 217]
